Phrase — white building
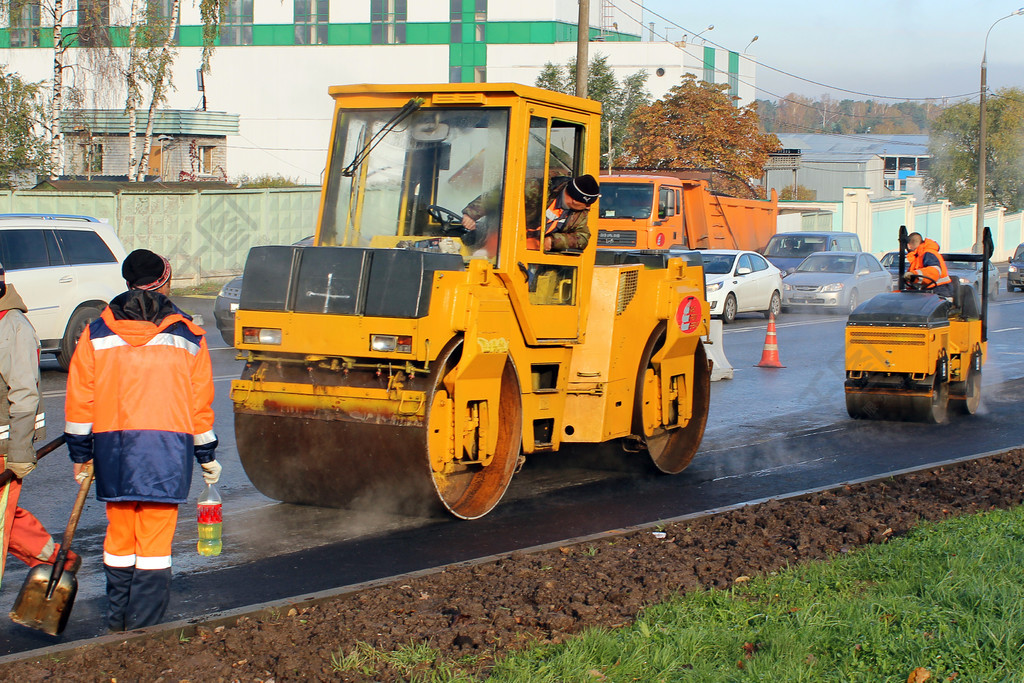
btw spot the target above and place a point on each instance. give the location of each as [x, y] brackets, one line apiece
[276, 58]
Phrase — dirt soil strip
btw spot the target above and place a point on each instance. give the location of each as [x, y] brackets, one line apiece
[487, 606]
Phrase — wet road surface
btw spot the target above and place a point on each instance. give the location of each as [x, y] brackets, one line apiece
[770, 432]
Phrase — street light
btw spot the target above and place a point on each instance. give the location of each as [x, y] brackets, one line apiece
[980, 225]
[710, 26]
[752, 41]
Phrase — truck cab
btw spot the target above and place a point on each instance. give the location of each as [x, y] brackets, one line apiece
[641, 212]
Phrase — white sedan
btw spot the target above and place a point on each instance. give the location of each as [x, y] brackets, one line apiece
[741, 281]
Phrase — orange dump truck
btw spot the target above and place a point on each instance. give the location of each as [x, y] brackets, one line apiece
[658, 212]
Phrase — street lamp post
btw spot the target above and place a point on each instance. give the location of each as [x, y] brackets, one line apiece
[710, 26]
[980, 221]
[752, 41]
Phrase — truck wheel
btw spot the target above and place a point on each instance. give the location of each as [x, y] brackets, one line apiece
[80, 319]
[774, 306]
[729, 310]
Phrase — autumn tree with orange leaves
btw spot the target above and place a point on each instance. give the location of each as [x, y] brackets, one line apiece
[697, 125]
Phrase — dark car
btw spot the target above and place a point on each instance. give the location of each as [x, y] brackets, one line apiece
[786, 250]
[1015, 276]
[227, 303]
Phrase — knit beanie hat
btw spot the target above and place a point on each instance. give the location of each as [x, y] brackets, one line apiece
[584, 189]
[143, 269]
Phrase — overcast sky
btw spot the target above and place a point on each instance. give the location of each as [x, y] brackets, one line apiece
[899, 48]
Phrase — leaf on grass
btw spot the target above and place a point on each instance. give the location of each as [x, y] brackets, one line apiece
[741, 579]
[750, 648]
[919, 675]
[594, 673]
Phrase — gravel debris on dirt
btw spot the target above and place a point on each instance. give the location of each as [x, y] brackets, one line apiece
[487, 609]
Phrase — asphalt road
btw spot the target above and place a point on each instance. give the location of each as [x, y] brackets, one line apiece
[770, 432]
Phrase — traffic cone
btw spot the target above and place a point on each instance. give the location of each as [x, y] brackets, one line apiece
[770, 355]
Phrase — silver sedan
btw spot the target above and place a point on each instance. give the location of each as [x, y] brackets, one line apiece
[834, 281]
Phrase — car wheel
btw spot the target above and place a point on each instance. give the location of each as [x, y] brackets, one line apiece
[228, 337]
[994, 294]
[853, 300]
[80, 319]
[774, 306]
[1009, 287]
[729, 310]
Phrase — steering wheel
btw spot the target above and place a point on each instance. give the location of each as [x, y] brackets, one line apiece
[918, 283]
[451, 222]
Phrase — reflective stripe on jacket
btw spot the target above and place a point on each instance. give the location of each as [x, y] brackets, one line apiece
[926, 260]
[139, 402]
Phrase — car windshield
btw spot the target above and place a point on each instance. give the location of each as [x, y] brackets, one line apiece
[891, 260]
[387, 169]
[1019, 254]
[967, 266]
[827, 263]
[626, 200]
[796, 246]
[714, 264]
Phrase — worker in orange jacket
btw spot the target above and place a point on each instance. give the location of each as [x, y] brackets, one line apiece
[139, 405]
[22, 421]
[926, 263]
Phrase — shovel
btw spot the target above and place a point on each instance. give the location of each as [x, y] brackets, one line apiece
[46, 598]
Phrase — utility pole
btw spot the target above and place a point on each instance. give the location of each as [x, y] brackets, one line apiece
[582, 38]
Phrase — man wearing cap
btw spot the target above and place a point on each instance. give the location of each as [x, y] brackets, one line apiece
[565, 219]
[21, 423]
[139, 404]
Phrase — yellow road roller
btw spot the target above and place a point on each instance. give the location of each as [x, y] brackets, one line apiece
[403, 363]
[911, 355]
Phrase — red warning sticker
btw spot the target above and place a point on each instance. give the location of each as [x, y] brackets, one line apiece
[688, 315]
[660, 240]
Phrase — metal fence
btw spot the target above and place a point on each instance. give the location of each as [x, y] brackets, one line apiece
[206, 235]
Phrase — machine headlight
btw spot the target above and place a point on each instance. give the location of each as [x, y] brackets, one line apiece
[713, 287]
[260, 335]
[386, 343]
[834, 287]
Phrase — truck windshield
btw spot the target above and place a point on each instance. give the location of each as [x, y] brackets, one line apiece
[626, 200]
[444, 157]
[794, 245]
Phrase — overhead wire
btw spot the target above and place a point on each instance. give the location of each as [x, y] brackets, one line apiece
[789, 74]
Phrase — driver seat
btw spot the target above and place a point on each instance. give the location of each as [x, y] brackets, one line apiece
[965, 303]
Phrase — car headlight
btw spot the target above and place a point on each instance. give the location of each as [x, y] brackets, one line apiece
[1013, 269]
[713, 287]
[786, 288]
[834, 287]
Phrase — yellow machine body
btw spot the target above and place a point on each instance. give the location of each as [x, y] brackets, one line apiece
[394, 366]
[911, 354]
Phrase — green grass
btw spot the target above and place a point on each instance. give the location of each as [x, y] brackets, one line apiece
[203, 289]
[949, 597]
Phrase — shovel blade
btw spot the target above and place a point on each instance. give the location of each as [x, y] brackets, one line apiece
[35, 610]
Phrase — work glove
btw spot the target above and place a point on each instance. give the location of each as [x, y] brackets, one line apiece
[81, 471]
[21, 469]
[211, 471]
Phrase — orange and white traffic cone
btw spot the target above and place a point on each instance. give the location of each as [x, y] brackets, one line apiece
[770, 355]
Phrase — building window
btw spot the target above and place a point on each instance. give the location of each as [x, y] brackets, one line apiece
[24, 23]
[159, 16]
[236, 24]
[93, 153]
[93, 23]
[206, 160]
[311, 22]
[387, 21]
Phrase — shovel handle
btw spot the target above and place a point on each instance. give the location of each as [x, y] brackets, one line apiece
[69, 532]
[7, 475]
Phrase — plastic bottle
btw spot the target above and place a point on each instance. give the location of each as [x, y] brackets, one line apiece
[210, 519]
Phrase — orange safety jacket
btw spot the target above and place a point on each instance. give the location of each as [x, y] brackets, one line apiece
[139, 403]
[926, 260]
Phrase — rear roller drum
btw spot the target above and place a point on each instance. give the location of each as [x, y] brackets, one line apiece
[671, 450]
[470, 490]
[932, 408]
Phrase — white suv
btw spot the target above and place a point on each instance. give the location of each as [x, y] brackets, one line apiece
[66, 268]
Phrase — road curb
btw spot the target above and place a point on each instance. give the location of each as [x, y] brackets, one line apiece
[188, 628]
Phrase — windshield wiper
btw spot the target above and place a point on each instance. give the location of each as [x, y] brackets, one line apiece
[402, 114]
